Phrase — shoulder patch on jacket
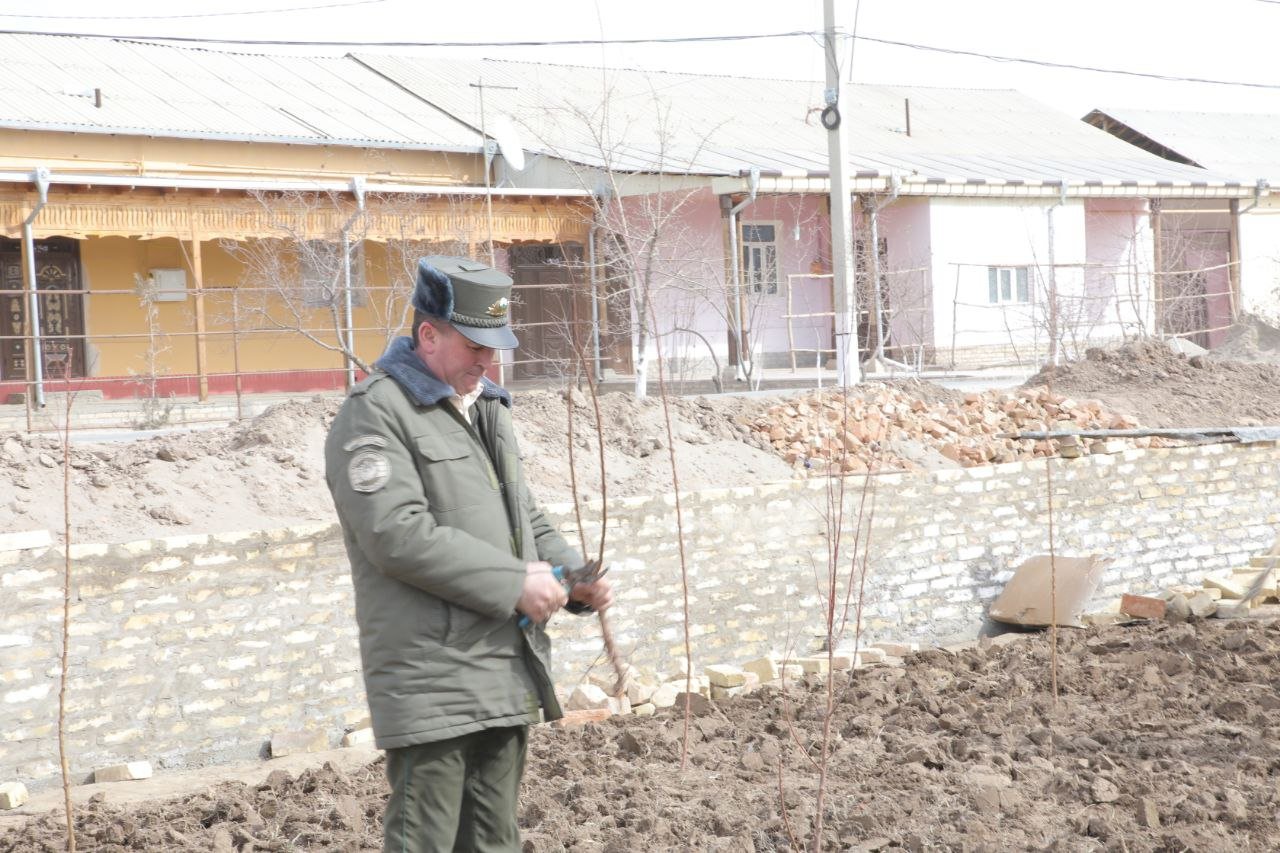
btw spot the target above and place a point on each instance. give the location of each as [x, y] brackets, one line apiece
[368, 471]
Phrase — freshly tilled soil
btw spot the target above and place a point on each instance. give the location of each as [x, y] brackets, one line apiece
[1163, 737]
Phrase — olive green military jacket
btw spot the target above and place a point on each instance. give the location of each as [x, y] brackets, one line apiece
[438, 524]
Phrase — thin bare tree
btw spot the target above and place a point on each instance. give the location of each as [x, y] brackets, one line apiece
[156, 409]
[69, 391]
[640, 198]
[311, 274]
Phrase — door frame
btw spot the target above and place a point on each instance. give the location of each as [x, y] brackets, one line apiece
[67, 346]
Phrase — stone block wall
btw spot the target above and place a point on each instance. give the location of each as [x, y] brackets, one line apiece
[195, 649]
[183, 651]
[1022, 352]
[938, 547]
[93, 412]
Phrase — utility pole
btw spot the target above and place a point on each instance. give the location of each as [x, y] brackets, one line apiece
[846, 303]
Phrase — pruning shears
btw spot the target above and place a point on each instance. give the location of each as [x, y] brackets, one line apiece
[590, 572]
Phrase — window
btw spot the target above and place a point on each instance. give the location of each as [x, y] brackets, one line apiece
[1008, 285]
[760, 258]
[167, 285]
[322, 281]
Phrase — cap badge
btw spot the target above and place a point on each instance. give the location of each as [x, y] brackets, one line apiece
[499, 308]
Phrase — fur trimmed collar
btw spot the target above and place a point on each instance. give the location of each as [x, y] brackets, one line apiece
[402, 364]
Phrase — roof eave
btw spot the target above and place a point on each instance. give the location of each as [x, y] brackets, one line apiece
[271, 185]
[240, 137]
[918, 185]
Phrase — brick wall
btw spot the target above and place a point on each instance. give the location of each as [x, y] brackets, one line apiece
[195, 649]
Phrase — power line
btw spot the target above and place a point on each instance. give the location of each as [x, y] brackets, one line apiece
[1069, 66]
[300, 43]
[853, 42]
[638, 41]
[191, 15]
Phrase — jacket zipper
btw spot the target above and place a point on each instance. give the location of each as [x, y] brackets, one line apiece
[514, 536]
[479, 443]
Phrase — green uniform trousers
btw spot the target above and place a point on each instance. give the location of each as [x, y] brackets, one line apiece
[456, 795]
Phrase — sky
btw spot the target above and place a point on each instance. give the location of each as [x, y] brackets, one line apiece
[1222, 40]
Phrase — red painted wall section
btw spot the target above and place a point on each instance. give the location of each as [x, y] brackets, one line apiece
[127, 387]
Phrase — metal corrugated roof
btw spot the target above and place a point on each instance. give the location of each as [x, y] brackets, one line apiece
[162, 90]
[719, 125]
[1244, 144]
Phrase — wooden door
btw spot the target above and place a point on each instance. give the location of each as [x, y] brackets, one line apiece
[58, 280]
[1195, 295]
[551, 315]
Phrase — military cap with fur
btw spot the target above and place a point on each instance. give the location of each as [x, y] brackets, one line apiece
[472, 297]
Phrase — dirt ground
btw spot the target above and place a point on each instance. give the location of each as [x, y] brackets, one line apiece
[1251, 339]
[1164, 737]
[1160, 387]
[269, 472]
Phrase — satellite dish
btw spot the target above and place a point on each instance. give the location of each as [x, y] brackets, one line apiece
[504, 133]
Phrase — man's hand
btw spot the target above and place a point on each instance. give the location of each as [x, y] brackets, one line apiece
[597, 595]
[542, 595]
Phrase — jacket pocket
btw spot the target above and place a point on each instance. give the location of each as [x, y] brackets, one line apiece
[452, 477]
[435, 619]
[467, 627]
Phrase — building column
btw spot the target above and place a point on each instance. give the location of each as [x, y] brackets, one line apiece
[197, 275]
[1233, 258]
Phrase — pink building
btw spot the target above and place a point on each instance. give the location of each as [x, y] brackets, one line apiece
[1004, 232]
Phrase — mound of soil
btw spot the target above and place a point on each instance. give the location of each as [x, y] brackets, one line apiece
[269, 469]
[714, 445]
[1250, 339]
[269, 472]
[1164, 737]
[1162, 388]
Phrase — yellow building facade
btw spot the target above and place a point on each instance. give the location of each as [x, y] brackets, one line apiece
[195, 266]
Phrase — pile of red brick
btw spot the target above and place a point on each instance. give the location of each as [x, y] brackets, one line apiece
[883, 427]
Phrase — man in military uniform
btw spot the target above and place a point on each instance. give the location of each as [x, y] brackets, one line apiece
[449, 554]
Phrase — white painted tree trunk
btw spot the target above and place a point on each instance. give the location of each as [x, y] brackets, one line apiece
[642, 370]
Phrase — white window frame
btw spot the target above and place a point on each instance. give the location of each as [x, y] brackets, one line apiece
[1007, 286]
[765, 283]
[167, 285]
